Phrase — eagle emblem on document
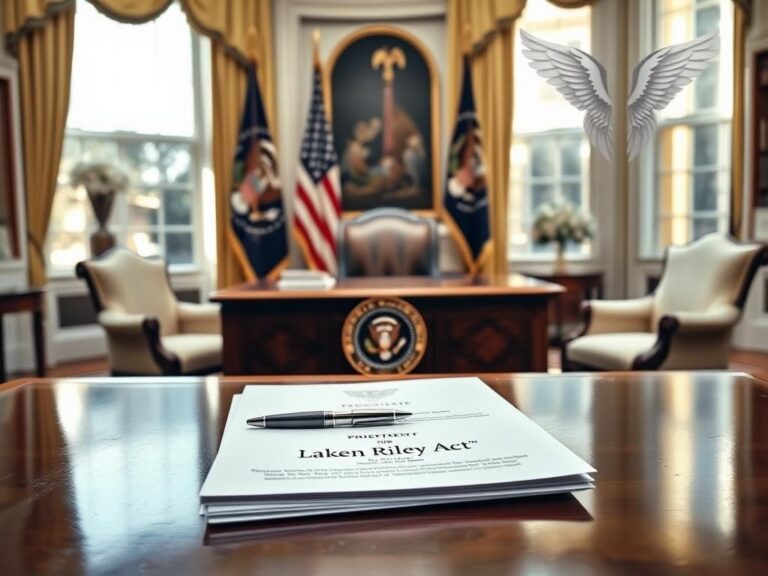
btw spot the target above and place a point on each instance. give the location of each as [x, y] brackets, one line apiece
[370, 394]
[384, 336]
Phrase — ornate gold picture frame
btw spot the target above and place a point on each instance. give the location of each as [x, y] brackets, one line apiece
[383, 92]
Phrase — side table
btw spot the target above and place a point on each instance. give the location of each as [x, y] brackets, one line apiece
[565, 309]
[24, 300]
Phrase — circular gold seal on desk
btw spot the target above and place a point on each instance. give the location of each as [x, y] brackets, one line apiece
[384, 336]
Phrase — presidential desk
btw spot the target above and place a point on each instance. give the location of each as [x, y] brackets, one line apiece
[101, 476]
[453, 324]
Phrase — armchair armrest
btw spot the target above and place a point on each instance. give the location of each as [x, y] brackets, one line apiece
[609, 316]
[134, 343]
[122, 323]
[669, 348]
[199, 318]
[720, 319]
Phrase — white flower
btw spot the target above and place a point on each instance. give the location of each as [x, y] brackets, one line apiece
[98, 178]
[562, 222]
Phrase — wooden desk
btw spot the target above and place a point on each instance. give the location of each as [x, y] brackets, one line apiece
[29, 300]
[565, 310]
[472, 324]
[102, 476]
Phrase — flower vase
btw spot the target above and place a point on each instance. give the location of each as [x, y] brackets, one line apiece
[560, 258]
[102, 239]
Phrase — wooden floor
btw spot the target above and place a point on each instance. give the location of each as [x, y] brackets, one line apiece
[755, 363]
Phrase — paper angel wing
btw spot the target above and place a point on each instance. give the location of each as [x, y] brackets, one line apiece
[658, 78]
[581, 79]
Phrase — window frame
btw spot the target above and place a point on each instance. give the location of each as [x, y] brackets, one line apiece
[649, 248]
[557, 180]
[195, 185]
[586, 180]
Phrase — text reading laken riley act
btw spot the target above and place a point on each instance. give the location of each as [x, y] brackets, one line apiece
[386, 450]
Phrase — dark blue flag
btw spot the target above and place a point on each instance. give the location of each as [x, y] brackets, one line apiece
[466, 191]
[258, 217]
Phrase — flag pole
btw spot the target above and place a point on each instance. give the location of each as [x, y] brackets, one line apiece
[252, 45]
[316, 49]
[466, 40]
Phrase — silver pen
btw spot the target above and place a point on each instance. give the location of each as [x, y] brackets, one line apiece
[329, 419]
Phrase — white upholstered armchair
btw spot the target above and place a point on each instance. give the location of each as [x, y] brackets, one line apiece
[685, 324]
[148, 331]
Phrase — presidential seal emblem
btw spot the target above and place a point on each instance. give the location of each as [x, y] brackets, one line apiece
[384, 336]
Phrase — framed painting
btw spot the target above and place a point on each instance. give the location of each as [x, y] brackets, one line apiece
[384, 103]
[9, 173]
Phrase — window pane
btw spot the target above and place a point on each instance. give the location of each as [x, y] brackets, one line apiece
[707, 20]
[705, 191]
[67, 249]
[541, 193]
[99, 150]
[175, 162]
[572, 193]
[705, 145]
[178, 247]
[705, 87]
[703, 226]
[178, 207]
[570, 154]
[143, 208]
[542, 159]
[145, 243]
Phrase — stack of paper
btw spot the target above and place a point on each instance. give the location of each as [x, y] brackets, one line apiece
[463, 443]
[305, 280]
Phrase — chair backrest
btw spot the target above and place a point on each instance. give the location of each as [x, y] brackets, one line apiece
[123, 281]
[387, 242]
[707, 273]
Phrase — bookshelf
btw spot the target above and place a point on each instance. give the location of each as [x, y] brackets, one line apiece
[758, 210]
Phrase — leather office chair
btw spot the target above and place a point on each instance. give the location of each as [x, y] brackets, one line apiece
[387, 242]
[685, 324]
[148, 331]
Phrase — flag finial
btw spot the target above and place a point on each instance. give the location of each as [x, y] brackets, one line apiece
[466, 39]
[253, 44]
[316, 47]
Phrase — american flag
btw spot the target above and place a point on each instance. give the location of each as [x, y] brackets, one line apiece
[317, 204]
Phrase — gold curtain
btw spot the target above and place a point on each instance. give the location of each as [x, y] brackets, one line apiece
[229, 82]
[741, 14]
[489, 23]
[41, 35]
[571, 3]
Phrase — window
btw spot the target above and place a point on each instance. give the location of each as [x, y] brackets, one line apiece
[685, 186]
[132, 105]
[550, 152]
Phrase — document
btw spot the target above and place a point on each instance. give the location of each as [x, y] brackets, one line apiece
[463, 442]
[305, 280]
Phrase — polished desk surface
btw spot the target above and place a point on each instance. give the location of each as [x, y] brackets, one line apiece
[400, 286]
[102, 476]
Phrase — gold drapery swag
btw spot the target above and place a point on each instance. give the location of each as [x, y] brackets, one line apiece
[41, 33]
